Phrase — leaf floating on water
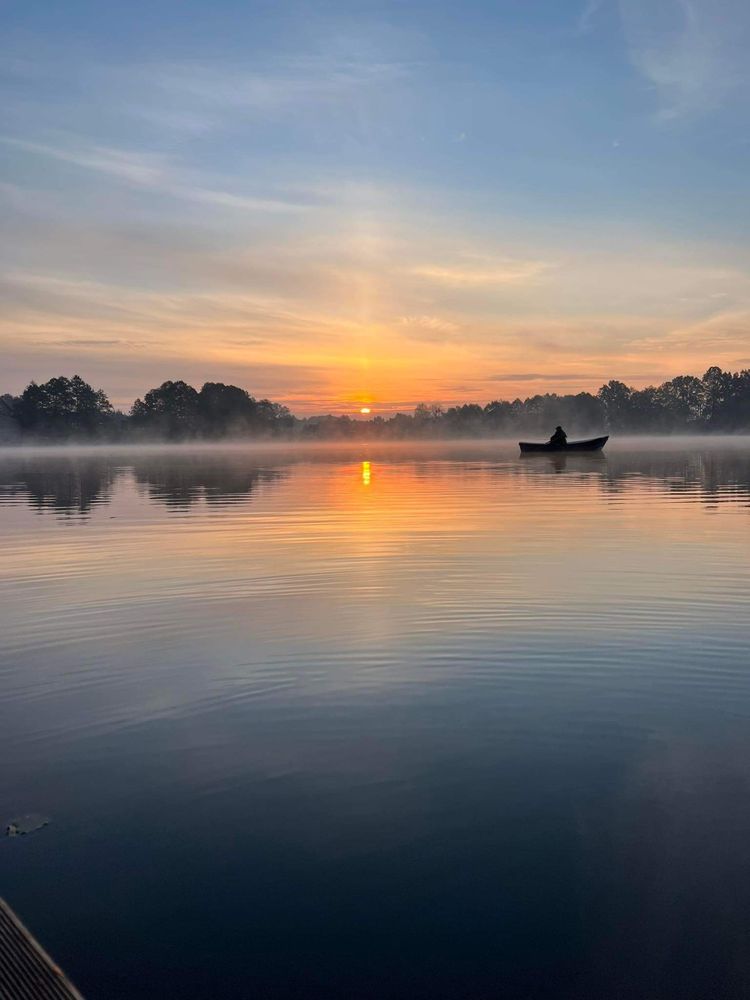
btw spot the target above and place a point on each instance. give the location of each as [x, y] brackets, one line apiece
[28, 823]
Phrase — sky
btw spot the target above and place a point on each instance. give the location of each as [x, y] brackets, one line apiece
[357, 203]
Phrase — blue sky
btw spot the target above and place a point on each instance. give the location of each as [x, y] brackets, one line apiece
[338, 203]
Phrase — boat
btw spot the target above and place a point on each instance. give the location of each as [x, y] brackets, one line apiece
[592, 444]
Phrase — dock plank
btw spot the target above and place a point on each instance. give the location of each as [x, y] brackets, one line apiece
[26, 970]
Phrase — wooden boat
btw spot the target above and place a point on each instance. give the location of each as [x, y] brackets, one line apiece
[593, 444]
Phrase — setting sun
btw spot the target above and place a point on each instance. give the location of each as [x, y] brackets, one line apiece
[365, 409]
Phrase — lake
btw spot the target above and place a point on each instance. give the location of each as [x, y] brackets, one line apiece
[411, 721]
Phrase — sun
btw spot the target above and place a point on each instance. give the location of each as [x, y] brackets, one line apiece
[365, 409]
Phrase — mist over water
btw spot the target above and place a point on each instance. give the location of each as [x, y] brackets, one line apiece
[379, 720]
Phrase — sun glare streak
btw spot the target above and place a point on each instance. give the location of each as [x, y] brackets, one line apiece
[366, 473]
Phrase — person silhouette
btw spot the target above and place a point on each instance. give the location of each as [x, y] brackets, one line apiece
[559, 438]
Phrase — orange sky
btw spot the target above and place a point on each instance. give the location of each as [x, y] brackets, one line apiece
[371, 325]
[332, 209]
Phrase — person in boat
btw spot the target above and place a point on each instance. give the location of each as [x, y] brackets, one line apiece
[559, 438]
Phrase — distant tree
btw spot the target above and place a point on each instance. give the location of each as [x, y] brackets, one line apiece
[272, 418]
[225, 409]
[62, 407]
[427, 417]
[464, 421]
[740, 404]
[498, 416]
[10, 429]
[428, 411]
[646, 412]
[717, 396]
[615, 399]
[400, 425]
[534, 415]
[683, 399]
[584, 411]
[330, 427]
[170, 411]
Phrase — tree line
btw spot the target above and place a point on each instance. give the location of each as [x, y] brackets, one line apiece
[71, 409]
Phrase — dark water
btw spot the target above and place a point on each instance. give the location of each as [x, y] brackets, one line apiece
[407, 723]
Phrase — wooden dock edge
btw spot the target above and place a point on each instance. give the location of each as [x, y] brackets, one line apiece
[26, 970]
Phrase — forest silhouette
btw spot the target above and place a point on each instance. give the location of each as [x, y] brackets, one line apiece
[64, 409]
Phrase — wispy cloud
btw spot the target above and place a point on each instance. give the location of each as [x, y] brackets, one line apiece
[544, 376]
[291, 83]
[718, 337]
[506, 271]
[433, 323]
[68, 306]
[692, 52]
[92, 342]
[136, 168]
[197, 97]
[152, 172]
[586, 18]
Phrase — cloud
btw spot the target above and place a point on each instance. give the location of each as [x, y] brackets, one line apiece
[692, 53]
[544, 376]
[61, 309]
[83, 342]
[308, 89]
[501, 272]
[152, 172]
[586, 18]
[429, 323]
[717, 337]
[137, 168]
[294, 83]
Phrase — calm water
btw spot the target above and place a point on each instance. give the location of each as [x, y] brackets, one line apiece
[369, 723]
